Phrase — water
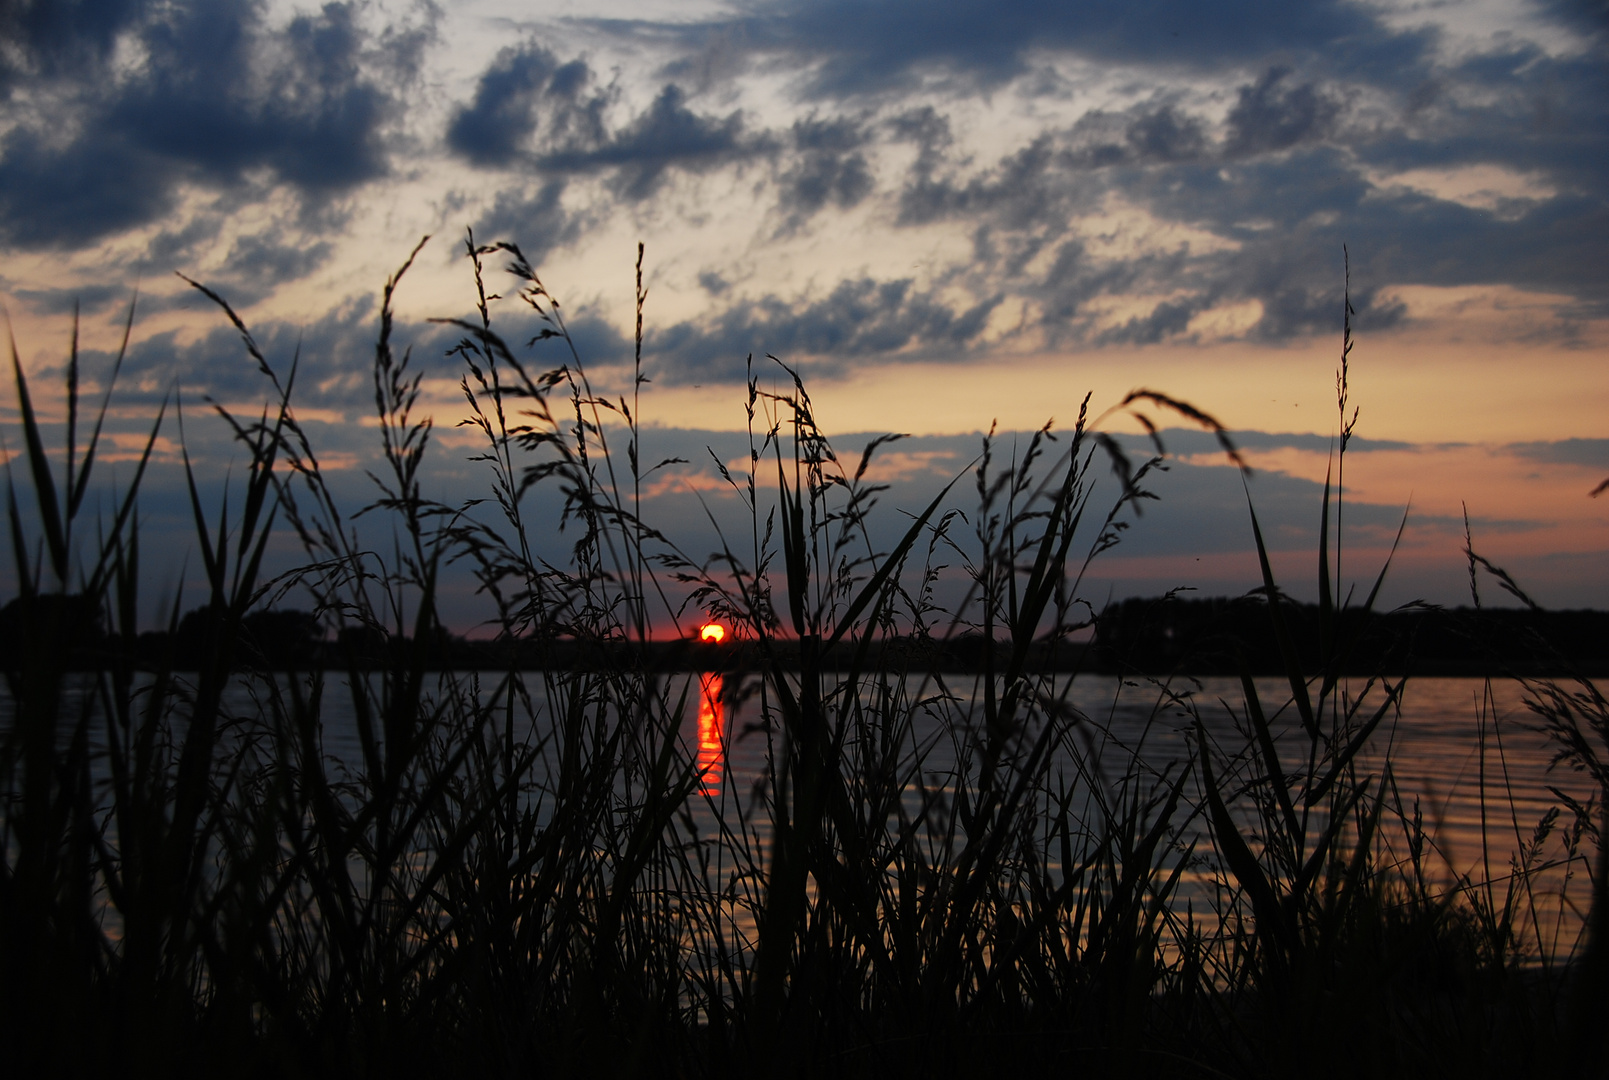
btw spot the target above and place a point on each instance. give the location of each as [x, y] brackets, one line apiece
[1454, 739]
[1461, 756]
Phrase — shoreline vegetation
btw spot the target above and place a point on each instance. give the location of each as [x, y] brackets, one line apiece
[193, 889]
[1157, 636]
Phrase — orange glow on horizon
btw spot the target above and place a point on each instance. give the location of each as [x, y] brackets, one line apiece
[712, 632]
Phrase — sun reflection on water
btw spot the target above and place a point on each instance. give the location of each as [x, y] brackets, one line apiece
[711, 734]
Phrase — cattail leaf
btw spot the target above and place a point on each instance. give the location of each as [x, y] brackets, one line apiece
[39, 467]
[1271, 922]
[1276, 773]
[208, 559]
[68, 486]
[1326, 601]
[1282, 634]
[891, 562]
[126, 507]
[76, 497]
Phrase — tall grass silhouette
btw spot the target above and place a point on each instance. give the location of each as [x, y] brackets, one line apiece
[938, 874]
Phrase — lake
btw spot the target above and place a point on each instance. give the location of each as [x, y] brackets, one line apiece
[1465, 759]
[1464, 754]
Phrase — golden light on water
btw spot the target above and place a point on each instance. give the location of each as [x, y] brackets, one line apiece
[711, 732]
[713, 632]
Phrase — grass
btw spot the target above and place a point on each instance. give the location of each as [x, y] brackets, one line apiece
[194, 887]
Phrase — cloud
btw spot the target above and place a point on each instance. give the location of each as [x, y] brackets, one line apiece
[1589, 452]
[1024, 189]
[88, 300]
[527, 99]
[1290, 171]
[1273, 115]
[1165, 135]
[43, 39]
[1589, 18]
[860, 317]
[1193, 441]
[333, 356]
[855, 48]
[827, 168]
[1167, 319]
[219, 97]
[1555, 247]
[534, 112]
[535, 217]
[1255, 221]
[667, 135]
[1293, 168]
[77, 194]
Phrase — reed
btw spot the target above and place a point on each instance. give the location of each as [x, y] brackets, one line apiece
[938, 873]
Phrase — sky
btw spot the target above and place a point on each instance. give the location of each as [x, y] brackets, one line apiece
[946, 216]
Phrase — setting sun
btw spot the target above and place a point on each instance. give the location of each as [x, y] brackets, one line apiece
[712, 632]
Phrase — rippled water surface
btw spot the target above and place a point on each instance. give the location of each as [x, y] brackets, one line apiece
[1463, 755]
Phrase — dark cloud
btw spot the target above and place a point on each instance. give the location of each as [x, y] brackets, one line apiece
[528, 99]
[857, 48]
[534, 217]
[48, 38]
[1168, 319]
[1518, 109]
[826, 168]
[861, 317]
[1193, 441]
[76, 194]
[1587, 17]
[928, 129]
[1075, 279]
[1521, 111]
[316, 126]
[1287, 215]
[1295, 310]
[1278, 171]
[1025, 189]
[664, 136]
[1165, 135]
[258, 263]
[1143, 135]
[533, 111]
[182, 244]
[1273, 115]
[333, 356]
[1557, 247]
[220, 97]
[88, 299]
[1282, 177]
[1042, 184]
[1591, 452]
[217, 366]
[598, 343]
[1516, 93]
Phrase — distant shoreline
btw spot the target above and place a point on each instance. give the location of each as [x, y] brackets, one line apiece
[1150, 636]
